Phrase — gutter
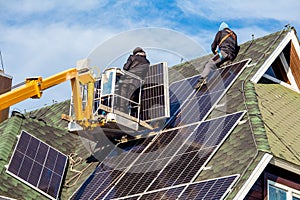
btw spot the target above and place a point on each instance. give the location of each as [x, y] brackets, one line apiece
[285, 165]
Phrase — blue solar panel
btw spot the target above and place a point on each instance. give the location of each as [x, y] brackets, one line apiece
[175, 157]
[211, 189]
[110, 170]
[155, 94]
[179, 92]
[39, 165]
[208, 189]
[199, 105]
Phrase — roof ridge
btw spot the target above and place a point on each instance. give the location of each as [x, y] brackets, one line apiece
[44, 112]
[256, 122]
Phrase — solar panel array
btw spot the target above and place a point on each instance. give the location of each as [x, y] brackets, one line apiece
[38, 165]
[155, 94]
[175, 157]
[197, 106]
[208, 189]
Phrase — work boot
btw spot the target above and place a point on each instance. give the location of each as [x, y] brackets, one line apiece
[200, 83]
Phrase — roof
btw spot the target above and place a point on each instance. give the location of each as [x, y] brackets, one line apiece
[47, 125]
[270, 126]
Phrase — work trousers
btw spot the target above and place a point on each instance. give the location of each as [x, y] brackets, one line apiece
[213, 63]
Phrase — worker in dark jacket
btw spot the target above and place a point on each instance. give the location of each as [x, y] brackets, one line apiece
[224, 48]
[137, 64]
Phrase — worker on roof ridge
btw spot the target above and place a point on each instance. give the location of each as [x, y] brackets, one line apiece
[224, 47]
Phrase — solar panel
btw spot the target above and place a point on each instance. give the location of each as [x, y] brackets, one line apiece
[110, 170]
[155, 94]
[38, 165]
[175, 157]
[180, 91]
[208, 189]
[202, 102]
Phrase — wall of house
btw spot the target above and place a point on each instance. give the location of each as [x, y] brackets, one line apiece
[5, 86]
[259, 190]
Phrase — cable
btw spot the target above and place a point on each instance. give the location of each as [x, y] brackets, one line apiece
[78, 173]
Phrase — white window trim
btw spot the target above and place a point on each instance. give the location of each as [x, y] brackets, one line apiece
[275, 80]
[268, 62]
[290, 192]
[290, 37]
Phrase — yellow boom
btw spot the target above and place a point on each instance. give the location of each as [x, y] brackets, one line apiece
[34, 87]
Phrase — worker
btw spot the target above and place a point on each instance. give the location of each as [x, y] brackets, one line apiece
[137, 64]
[224, 48]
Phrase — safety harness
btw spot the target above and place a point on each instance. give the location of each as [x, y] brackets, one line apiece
[218, 50]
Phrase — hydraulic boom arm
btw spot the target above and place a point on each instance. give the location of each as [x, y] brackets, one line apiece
[34, 87]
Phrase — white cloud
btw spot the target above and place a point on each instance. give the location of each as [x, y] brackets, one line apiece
[44, 51]
[44, 38]
[24, 7]
[235, 9]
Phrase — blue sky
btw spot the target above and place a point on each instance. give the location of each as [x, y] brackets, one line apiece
[41, 38]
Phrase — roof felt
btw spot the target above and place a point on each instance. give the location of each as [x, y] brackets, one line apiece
[239, 154]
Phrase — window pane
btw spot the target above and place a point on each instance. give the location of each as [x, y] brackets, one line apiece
[295, 198]
[276, 193]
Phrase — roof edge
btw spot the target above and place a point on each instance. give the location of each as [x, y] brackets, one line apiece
[279, 162]
[264, 161]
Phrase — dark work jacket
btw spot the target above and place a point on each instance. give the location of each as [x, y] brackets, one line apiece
[138, 65]
[229, 46]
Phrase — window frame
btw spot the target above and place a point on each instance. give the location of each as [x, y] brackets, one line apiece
[290, 192]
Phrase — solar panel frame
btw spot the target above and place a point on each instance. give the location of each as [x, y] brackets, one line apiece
[36, 168]
[153, 174]
[218, 94]
[189, 82]
[157, 80]
[186, 191]
[232, 179]
[121, 162]
[99, 185]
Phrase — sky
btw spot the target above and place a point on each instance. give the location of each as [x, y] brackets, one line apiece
[42, 38]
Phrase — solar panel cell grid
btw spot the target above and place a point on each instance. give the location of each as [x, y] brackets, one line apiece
[211, 189]
[176, 167]
[202, 102]
[38, 164]
[111, 168]
[208, 189]
[177, 155]
[155, 94]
